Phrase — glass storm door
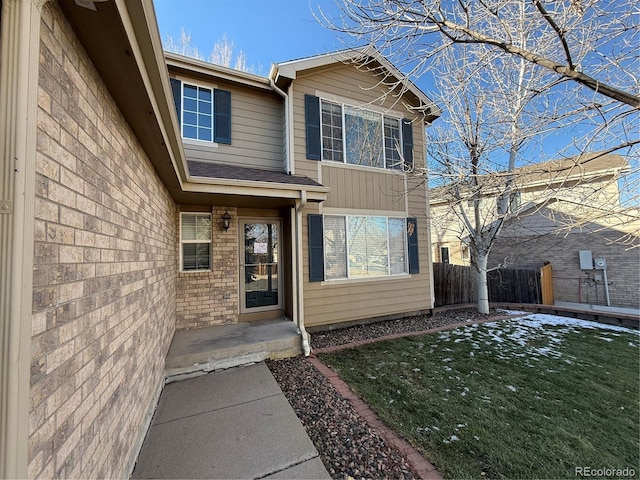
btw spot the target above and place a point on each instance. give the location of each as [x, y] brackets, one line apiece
[259, 268]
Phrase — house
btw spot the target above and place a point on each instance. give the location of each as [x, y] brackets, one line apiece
[550, 233]
[557, 209]
[311, 170]
[144, 195]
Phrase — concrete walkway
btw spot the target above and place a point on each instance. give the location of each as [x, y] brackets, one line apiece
[234, 423]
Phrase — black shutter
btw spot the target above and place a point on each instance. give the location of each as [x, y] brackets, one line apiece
[407, 143]
[222, 116]
[316, 248]
[176, 89]
[312, 121]
[412, 240]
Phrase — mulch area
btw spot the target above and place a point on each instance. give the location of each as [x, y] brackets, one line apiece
[350, 439]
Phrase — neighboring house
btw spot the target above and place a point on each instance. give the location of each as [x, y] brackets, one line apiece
[590, 180]
[549, 233]
[134, 205]
[558, 209]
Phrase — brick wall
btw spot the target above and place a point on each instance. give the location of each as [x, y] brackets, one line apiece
[570, 283]
[104, 274]
[211, 298]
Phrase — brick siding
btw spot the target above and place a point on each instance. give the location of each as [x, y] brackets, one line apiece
[569, 282]
[205, 299]
[104, 272]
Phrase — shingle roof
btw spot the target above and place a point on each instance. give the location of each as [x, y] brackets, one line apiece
[232, 172]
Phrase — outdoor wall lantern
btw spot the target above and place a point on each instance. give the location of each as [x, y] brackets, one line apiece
[226, 220]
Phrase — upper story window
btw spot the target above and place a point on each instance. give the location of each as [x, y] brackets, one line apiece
[197, 112]
[204, 113]
[195, 241]
[515, 202]
[356, 136]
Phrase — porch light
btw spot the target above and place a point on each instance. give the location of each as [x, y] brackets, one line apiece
[226, 220]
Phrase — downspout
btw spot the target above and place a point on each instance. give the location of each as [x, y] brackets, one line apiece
[300, 204]
[287, 143]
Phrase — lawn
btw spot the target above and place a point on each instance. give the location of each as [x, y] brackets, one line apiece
[535, 397]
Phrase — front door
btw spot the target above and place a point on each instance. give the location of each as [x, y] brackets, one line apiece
[260, 268]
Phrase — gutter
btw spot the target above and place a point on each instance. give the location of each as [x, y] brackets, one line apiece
[300, 204]
[287, 132]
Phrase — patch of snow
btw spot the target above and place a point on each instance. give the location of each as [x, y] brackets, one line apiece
[511, 312]
[606, 339]
[540, 319]
[512, 388]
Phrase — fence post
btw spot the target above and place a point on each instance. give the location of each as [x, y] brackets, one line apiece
[546, 279]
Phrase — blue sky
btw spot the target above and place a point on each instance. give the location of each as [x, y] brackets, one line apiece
[271, 31]
[267, 31]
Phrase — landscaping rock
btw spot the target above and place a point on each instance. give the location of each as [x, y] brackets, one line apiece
[347, 445]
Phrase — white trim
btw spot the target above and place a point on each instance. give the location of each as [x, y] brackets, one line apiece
[363, 213]
[206, 68]
[333, 163]
[19, 66]
[356, 280]
[193, 141]
[290, 68]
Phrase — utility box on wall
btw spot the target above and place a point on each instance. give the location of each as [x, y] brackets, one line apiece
[586, 260]
[600, 263]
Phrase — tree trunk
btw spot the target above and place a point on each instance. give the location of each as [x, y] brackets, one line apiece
[481, 280]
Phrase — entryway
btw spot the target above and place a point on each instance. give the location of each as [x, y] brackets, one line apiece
[260, 265]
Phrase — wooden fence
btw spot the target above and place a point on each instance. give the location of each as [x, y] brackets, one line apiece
[456, 284]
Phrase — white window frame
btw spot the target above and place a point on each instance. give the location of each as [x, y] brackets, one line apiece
[344, 139]
[348, 269]
[182, 110]
[210, 242]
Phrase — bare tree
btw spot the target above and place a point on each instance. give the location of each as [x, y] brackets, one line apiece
[508, 73]
[593, 41]
[221, 54]
[182, 45]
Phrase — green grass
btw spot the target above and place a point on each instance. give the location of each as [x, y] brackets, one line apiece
[513, 399]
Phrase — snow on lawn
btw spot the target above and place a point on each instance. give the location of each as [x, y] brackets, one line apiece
[532, 336]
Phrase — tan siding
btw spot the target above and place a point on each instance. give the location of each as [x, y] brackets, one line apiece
[359, 188]
[350, 300]
[257, 132]
[366, 189]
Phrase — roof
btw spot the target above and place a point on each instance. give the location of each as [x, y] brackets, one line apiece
[581, 167]
[247, 174]
[191, 64]
[361, 56]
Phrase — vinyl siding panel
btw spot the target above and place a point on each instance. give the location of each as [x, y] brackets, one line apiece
[367, 189]
[358, 188]
[257, 132]
[349, 300]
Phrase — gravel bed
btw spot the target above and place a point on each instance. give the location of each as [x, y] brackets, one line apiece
[341, 336]
[348, 447]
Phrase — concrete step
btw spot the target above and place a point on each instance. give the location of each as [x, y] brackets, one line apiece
[196, 352]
